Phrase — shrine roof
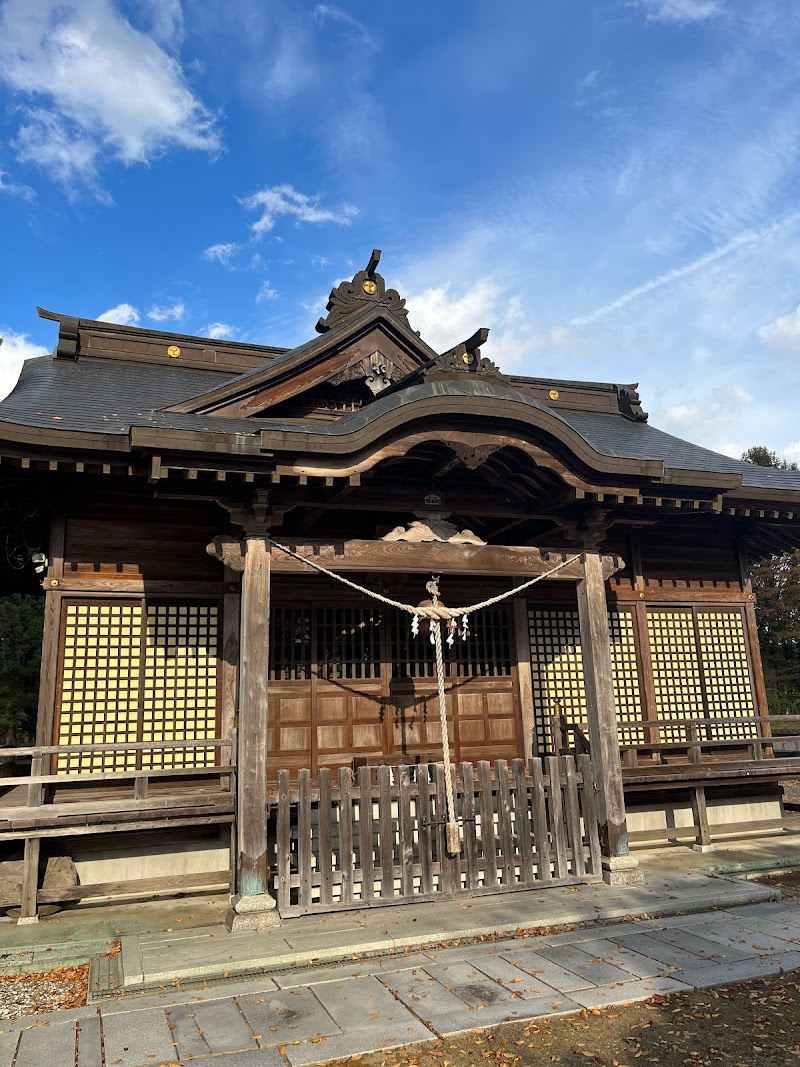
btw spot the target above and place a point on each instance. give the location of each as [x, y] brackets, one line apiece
[112, 397]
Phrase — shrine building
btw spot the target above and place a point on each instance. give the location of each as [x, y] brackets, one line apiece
[219, 710]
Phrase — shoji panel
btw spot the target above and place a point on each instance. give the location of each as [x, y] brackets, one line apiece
[133, 672]
[627, 696]
[676, 669]
[179, 698]
[557, 672]
[726, 670]
[99, 699]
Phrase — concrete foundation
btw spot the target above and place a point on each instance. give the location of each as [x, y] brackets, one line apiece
[669, 815]
[151, 855]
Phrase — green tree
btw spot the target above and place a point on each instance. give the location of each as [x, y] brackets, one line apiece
[776, 583]
[20, 654]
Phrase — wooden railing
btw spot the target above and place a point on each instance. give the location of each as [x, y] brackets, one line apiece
[700, 760]
[379, 837]
[42, 804]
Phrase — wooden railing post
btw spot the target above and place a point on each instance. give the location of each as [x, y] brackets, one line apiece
[29, 903]
[618, 866]
[253, 906]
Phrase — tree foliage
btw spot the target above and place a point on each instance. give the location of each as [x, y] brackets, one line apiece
[20, 654]
[776, 583]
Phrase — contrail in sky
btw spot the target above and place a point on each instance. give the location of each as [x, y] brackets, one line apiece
[744, 240]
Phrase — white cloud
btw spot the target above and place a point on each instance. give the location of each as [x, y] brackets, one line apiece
[220, 331]
[266, 292]
[24, 192]
[93, 87]
[791, 452]
[285, 200]
[221, 253]
[716, 409]
[444, 319]
[166, 312]
[358, 32]
[681, 11]
[165, 18]
[783, 334]
[737, 244]
[14, 350]
[121, 315]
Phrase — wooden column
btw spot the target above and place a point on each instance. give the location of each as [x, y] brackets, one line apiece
[253, 907]
[48, 680]
[522, 643]
[618, 867]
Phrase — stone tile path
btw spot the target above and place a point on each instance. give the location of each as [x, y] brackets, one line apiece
[312, 1016]
[207, 952]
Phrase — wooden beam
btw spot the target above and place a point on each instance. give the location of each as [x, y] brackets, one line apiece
[423, 558]
[618, 868]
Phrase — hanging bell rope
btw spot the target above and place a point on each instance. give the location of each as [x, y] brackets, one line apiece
[437, 615]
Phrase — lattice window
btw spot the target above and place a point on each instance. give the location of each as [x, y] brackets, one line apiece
[179, 699]
[412, 657]
[290, 644]
[485, 654]
[676, 669]
[348, 642]
[627, 696]
[100, 683]
[726, 671]
[487, 651]
[133, 673]
[557, 669]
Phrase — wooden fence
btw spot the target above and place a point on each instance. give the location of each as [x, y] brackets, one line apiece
[378, 837]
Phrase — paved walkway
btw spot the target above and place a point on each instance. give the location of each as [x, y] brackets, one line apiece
[206, 952]
[312, 1016]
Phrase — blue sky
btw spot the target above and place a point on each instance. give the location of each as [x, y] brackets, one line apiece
[610, 185]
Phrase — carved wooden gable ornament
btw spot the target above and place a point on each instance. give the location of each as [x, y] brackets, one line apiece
[366, 346]
[367, 287]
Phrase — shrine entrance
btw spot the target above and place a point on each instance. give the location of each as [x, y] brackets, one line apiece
[350, 686]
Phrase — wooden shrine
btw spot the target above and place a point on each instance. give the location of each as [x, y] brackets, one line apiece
[207, 676]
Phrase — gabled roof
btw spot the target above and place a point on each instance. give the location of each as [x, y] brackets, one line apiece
[123, 388]
[326, 354]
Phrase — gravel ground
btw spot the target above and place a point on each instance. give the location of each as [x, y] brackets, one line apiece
[791, 791]
[29, 994]
[754, 1024]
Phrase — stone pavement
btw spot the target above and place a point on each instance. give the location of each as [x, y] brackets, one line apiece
[331, 1012]
[207, 952]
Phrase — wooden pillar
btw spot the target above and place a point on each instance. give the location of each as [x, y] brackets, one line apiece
[618, 867]
[51, 583]
[253, 907]
[522, 642]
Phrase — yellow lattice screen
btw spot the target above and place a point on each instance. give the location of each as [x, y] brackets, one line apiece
[676, 669]
[557, 670]
[100, 683]
[180, 683]
[726, 669]
[131, 672]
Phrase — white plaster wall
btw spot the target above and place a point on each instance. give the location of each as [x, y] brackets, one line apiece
[151, 856]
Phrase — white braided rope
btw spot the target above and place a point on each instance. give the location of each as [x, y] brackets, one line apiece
[453, 837]
[436, 613]
[433, 611]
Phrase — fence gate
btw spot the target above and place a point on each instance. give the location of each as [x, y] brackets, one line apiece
[379, 837]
